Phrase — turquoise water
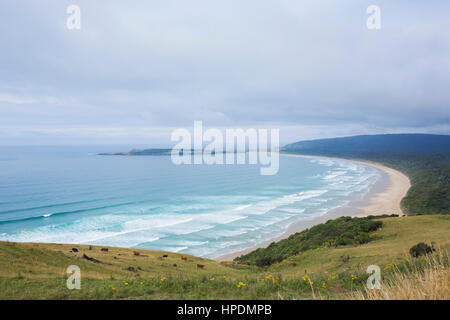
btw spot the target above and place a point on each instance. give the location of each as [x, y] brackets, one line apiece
[72, 195]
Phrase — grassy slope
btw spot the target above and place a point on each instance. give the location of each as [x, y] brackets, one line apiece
[427, 278]
[37, 271]
[398, 235]
[43, 260]
[337, 232]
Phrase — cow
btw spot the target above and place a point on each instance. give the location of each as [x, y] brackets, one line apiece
[294, 264]
[136, 253]
[200, 266]
[184, 258]
[104, 249]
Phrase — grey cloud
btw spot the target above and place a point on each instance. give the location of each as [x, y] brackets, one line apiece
[161, 64]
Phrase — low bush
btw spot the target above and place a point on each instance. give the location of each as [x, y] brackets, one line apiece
[420, 249]
[338, 232]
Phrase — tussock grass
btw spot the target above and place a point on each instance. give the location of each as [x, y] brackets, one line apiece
[427, 278]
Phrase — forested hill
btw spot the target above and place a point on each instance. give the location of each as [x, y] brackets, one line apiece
[425, 158]
[371, 144]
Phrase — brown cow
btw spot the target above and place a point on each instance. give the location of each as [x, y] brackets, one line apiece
[104, 249]
[294, 264]
[200, 266]
[184, 258]
[136, 253]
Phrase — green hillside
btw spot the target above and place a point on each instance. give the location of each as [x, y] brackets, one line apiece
[334, 233]
[38, 271]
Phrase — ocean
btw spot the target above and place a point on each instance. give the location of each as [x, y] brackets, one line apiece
[73, 195]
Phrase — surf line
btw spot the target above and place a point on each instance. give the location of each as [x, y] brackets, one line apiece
[238, 144]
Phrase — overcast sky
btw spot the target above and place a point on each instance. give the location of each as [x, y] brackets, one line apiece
[136, 70]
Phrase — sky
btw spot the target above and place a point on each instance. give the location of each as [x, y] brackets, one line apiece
[137, 70]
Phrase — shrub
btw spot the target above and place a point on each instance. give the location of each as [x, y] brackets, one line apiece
[420, 249]
[267, 261]
[338, 232]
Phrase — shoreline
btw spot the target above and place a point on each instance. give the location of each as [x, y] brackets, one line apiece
[383, 197]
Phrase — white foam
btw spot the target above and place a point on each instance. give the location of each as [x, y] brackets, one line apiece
[291, 210]
[266, 206]
[324, 162]
[334, 174]
[240, 208]
[152, 222]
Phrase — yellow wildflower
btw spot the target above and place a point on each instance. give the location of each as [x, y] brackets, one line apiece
[388, 266]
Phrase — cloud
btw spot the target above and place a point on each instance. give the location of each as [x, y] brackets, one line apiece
[163, 64]
[11, 99]
[7, 98]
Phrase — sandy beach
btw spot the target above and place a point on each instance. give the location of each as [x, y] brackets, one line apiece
[383, 198]
[388, 200]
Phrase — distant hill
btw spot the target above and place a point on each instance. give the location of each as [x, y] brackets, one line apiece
[140, 152]
[371, 144]
[153, 152]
